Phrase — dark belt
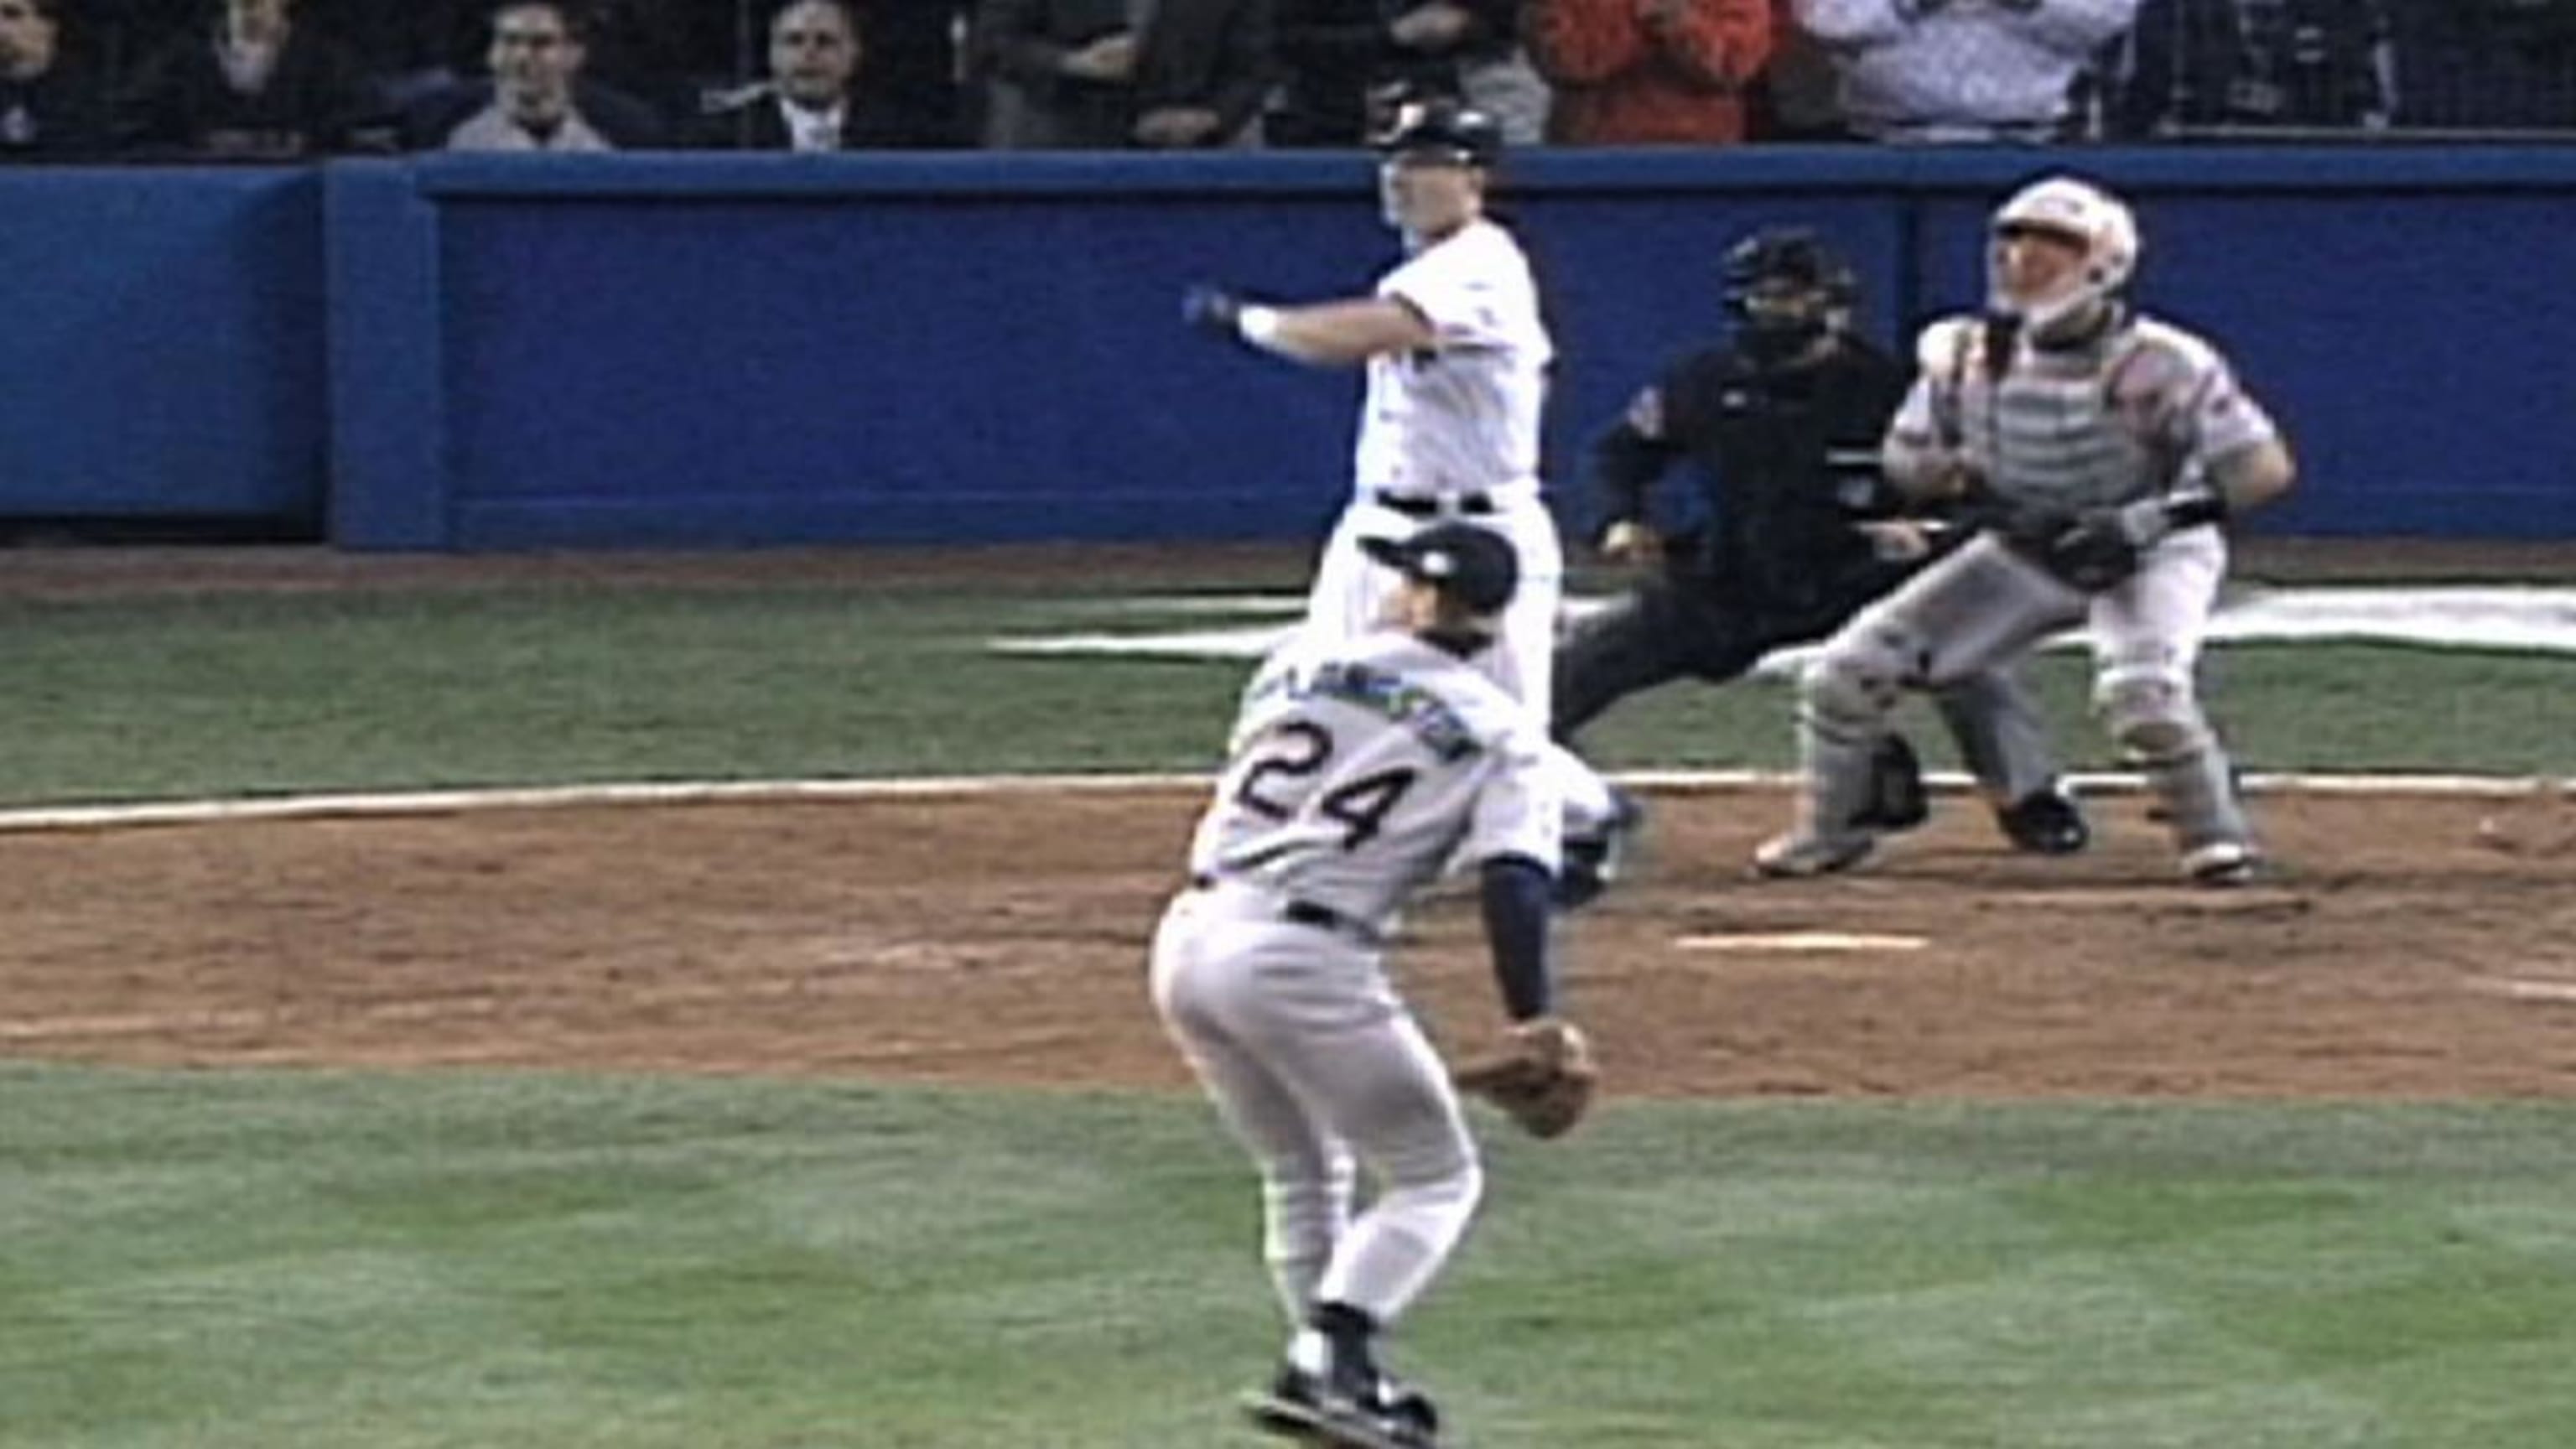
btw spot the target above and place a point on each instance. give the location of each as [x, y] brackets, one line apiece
[1302, 913]
[1413, 505]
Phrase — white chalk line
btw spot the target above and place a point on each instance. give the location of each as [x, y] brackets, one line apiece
[2525, 988]
[2535, 618]
[1800, 941]
[762, 792]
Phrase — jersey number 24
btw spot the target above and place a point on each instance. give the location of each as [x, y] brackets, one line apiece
[1277, 778]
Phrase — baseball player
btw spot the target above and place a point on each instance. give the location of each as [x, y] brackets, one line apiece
[1359, 767]
[2103, 448]
[1457, 358]
[1774, 421]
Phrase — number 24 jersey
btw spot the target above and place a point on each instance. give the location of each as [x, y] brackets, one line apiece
[1360, 771]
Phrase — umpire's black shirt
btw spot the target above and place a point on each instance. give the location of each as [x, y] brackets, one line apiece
[1777, 542]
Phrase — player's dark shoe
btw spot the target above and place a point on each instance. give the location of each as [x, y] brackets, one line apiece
[2045, 822]
[1597, 860]
[1356, 1411]
[1897, 797]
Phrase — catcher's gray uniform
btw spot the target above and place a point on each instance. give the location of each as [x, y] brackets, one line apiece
[1360, 770]
[2136, 410]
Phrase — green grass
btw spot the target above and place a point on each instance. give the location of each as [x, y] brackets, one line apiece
[251, 694]
[2306, 707]
[259, 694]
[323, 1259]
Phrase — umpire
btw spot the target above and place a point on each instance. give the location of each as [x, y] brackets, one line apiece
[1783, 425]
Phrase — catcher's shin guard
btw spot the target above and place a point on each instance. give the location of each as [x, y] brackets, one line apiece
[1832, 833]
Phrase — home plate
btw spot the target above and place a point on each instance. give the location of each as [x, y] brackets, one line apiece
[1799, 941]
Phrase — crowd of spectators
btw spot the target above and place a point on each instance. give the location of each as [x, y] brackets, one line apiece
[274, 79]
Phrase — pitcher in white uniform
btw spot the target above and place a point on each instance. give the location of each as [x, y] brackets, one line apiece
[2104, 448]
[1458, 357]
[1360, 769]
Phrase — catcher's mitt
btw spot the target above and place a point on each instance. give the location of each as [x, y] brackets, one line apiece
[2093, 553]
[1544, 1080]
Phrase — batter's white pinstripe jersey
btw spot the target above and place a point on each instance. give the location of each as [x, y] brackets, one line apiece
[2142, 409]
[1464, 416]
[1360, 770]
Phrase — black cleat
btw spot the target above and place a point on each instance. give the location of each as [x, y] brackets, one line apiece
[1371, 1413]
[1593, 863]
[2045, 822]
[1898, 800]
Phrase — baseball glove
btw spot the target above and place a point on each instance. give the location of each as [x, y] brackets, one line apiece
[2091, 551]
[2094, 552]
[1543, 1079]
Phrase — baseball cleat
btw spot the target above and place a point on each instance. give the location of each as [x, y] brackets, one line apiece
[2045, 822]
[1377, 1415]
[1594, 862]
[2222, 863]
[1796, 856]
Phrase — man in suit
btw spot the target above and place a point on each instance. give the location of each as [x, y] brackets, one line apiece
[536, 99]
[811, 101]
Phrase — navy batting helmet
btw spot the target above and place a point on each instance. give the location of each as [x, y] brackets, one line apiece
[1474, 566]
[1442, 127]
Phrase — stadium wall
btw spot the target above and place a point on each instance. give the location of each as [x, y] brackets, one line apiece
[697, 350]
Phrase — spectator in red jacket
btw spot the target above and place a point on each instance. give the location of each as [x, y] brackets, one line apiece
[1648, 72]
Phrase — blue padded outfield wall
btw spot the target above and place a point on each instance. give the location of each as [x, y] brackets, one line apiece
[162, 348]
[486, 353]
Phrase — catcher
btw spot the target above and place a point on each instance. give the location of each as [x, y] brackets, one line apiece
[2101, 448]
[1359, 769]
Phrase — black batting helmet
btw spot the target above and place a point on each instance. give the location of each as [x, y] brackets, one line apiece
[1440, 126]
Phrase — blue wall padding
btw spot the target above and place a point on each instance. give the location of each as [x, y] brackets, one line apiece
[700, 350]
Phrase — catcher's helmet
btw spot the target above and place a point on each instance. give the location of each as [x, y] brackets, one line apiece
[1442, 127]
[2097, 222]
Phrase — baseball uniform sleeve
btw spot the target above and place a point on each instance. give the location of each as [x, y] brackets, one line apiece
[2198, 412]
[2218, 418]
[1518, 810]
[1925, 433]
[1463, 288]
